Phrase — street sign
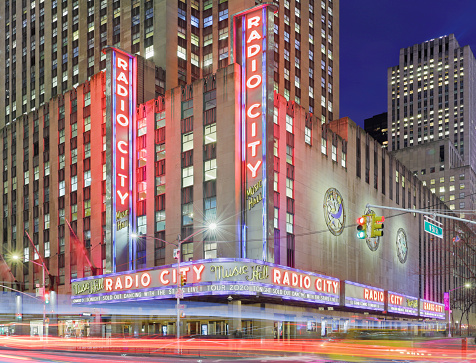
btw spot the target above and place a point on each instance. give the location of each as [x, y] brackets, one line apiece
[40, 291]
[179, 294]
[447, 300]
[176, 253]
[433, 229]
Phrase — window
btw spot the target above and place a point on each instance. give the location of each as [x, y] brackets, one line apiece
[87, 178]
[334, 153]
[187, 141]
[187, 177]
[87, 150]
[47, 221]
[210, 169]
[289, 222]
[87, 208]
[289, 154]
[47, 249]
[289, 124]
[276, 143]
[74, 183]
[276, 180]
[87, 123]
[61, 187]
[74, 212]
[324, 146]
[210, 209]
[289, 188]
[210, 133]
[142, 225]
[307, 135]
[276, 217]
[27, 177]
[343, 160]
[87, 99]
[160, 220]
[187, 214]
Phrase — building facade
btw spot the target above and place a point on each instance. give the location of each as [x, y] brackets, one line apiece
[187, 173]
[376, 127]
[431, 98]
[188, 39]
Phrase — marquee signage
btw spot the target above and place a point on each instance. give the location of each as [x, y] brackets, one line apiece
[121, 103]
[431, 309]
[364, 297]
[402, 304]
[251, 48]
[219, 277]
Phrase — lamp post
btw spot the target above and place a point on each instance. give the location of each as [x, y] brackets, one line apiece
[44, 268]
[467, 285]
[178, 294]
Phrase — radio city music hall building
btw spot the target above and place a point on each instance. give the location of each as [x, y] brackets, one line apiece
[283, 189]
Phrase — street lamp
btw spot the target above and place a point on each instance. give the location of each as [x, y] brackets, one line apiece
[179, 293]
[467, 285]
[44, 268]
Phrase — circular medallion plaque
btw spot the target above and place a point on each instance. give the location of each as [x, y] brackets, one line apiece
[402, 245]
[334, 212]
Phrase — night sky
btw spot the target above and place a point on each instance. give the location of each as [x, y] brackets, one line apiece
[371, 35]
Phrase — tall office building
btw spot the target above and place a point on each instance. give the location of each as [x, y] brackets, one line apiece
[432, 97]
[51, 46]
[376, 126]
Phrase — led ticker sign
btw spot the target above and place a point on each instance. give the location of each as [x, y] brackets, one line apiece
[363, 296]
[219, 277]
[401, 304]
[121, 102]
[431, 309]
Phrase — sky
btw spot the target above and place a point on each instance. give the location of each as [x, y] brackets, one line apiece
[372, 32]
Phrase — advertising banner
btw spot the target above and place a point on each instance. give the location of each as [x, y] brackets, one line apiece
[206, 277]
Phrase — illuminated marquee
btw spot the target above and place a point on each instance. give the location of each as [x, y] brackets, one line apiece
[219, 277]
[402, 304]
[121, 102]
[431, 309]
[364, 297]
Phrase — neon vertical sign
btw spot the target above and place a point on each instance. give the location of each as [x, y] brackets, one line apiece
[251, 45]
[122, 122]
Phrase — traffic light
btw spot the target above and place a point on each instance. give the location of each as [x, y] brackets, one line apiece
[362, 227]
[377, 226]
[47, 297]
[183, 280]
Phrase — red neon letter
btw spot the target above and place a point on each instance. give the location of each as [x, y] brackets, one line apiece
[122, 77]
[121, 63]
[122, 91]
[122, 197]
[254, 81]
[253, 36]
[254, 21]
[253, 146]
[122, 120]
[254, 169]
[250, 112]
[276, 276]
[108, 284]
[198, 272]
[145, 279]
[162, 279]
[253, 50]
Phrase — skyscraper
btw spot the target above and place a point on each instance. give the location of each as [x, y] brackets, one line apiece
[431, 97]
[51, 46]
